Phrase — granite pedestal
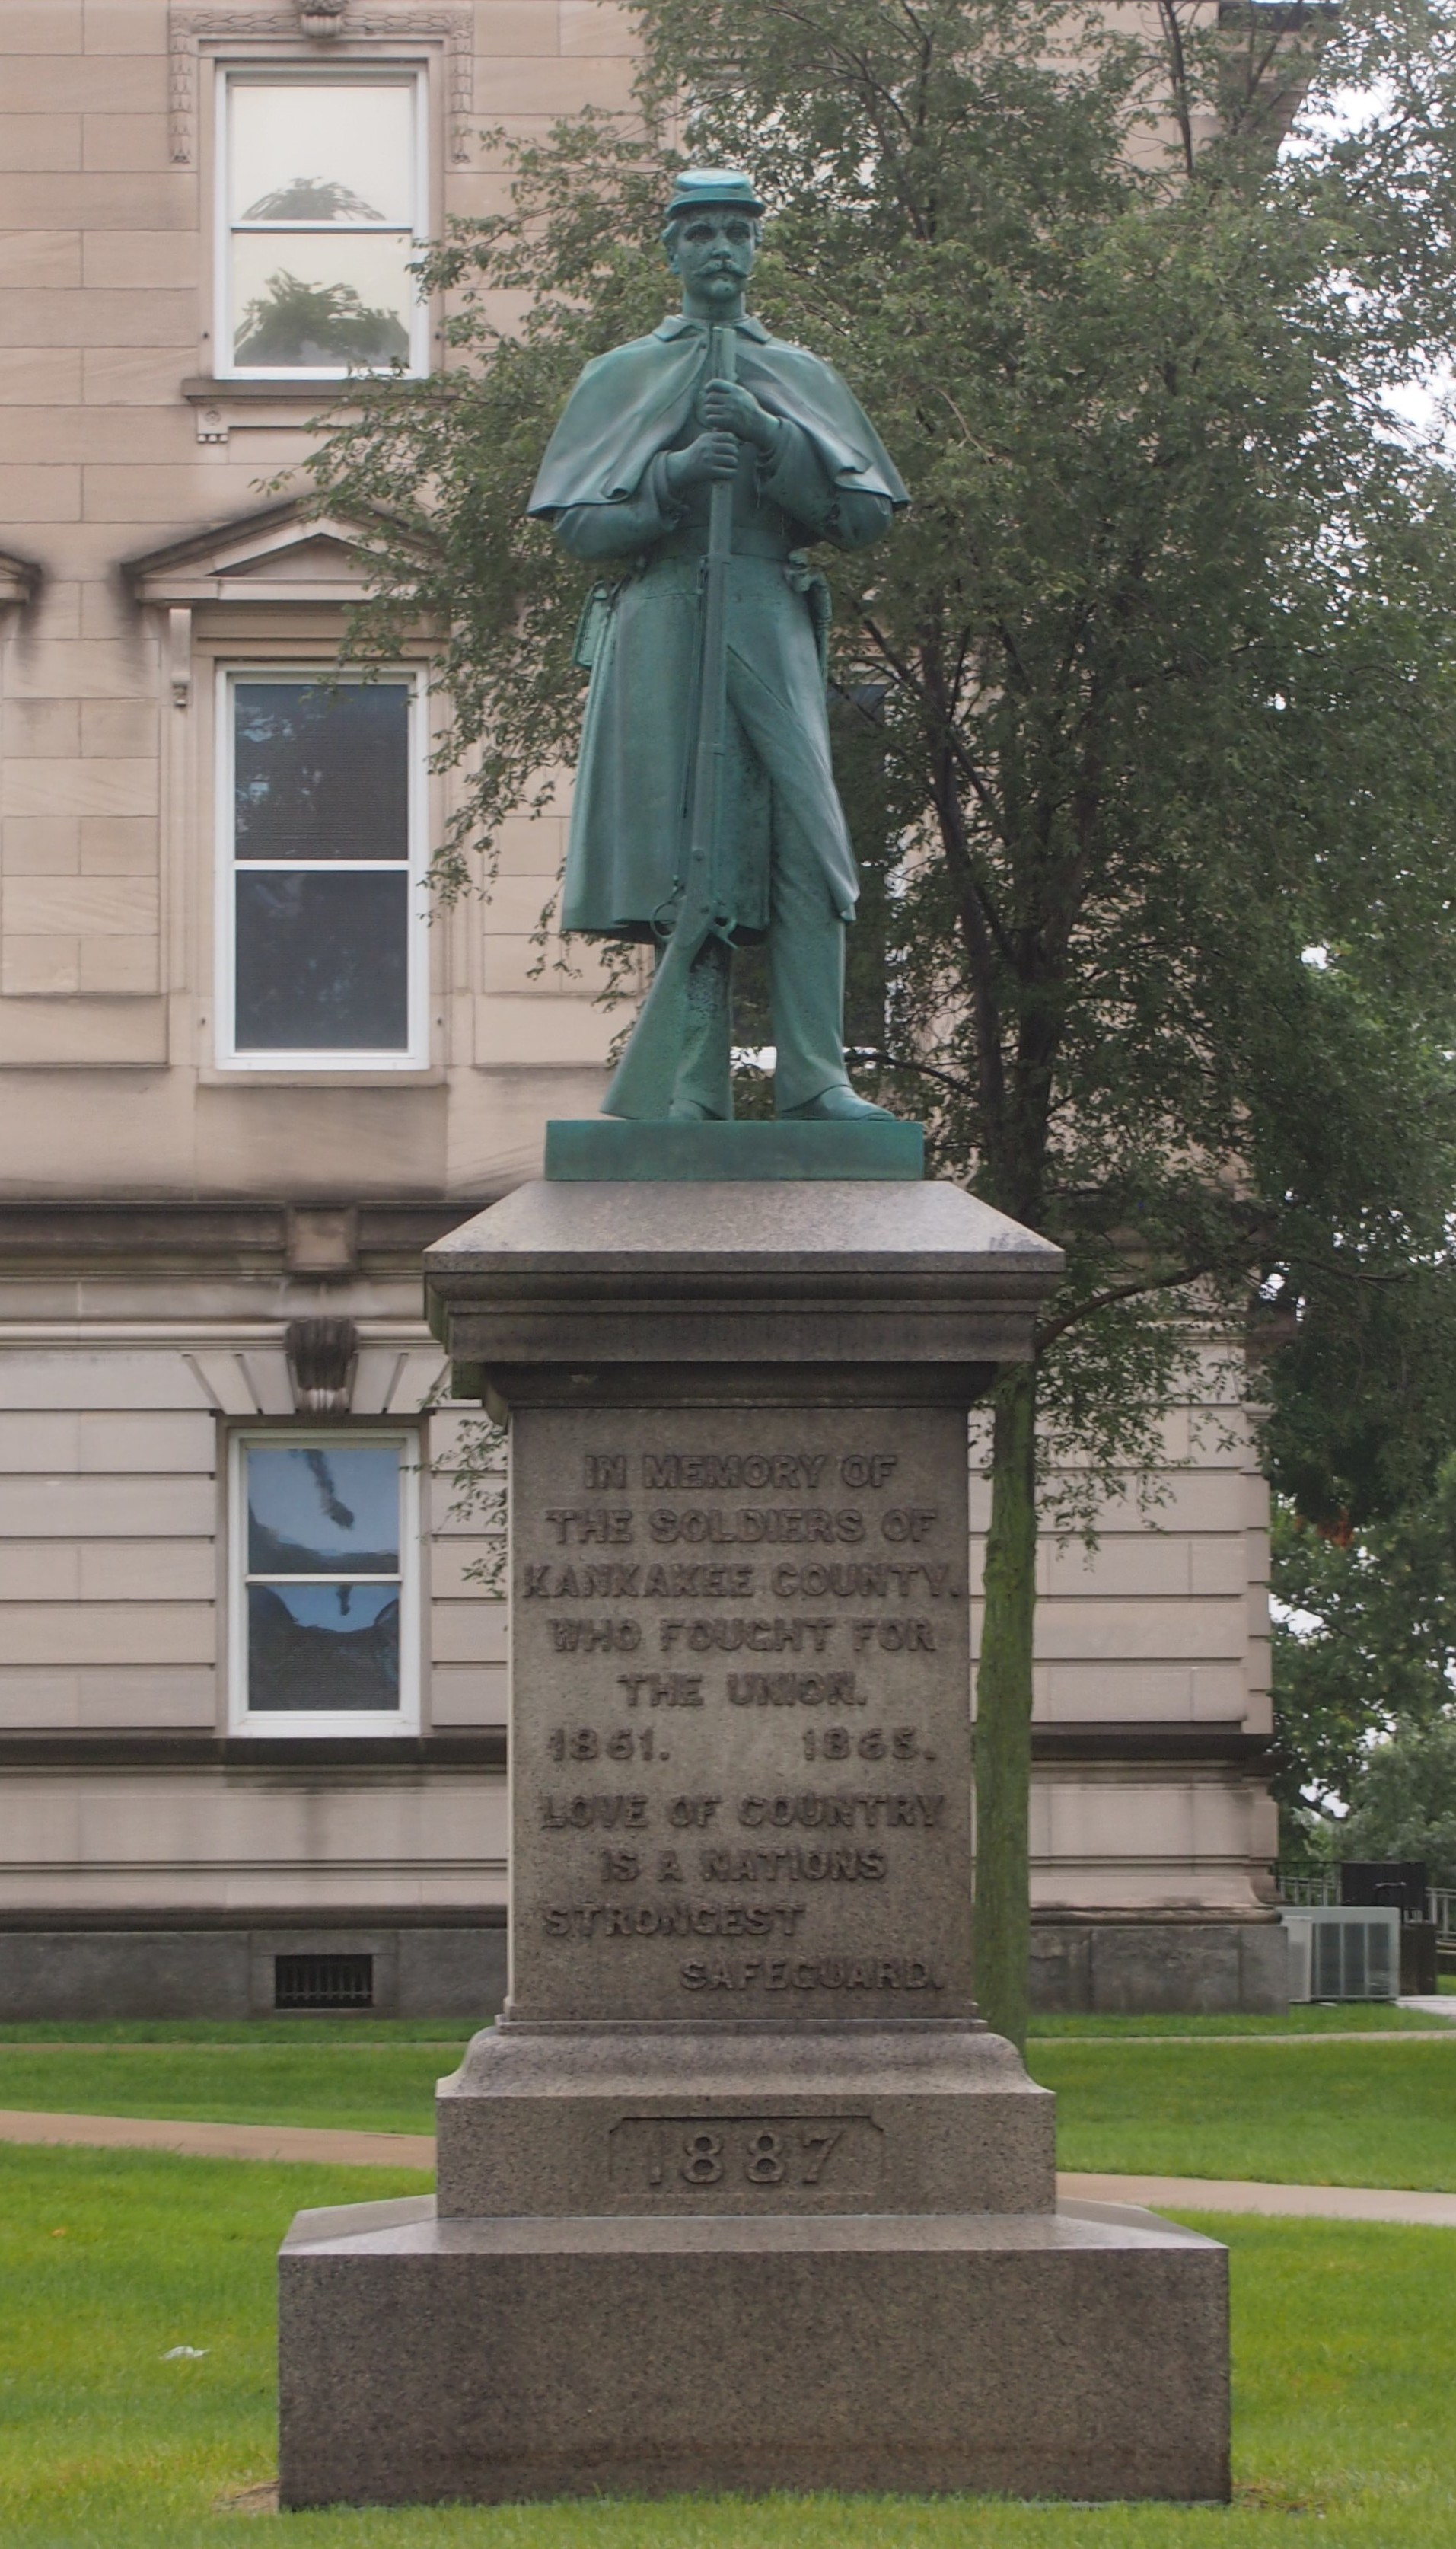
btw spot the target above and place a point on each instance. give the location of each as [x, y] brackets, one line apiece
[740, 2192]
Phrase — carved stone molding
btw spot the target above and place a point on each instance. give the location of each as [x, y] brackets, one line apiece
[192, 27]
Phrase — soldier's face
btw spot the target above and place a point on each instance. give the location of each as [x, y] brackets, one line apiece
[713, 250]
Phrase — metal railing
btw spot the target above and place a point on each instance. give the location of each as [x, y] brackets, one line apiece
[1311, 1889]
[1309, 1892]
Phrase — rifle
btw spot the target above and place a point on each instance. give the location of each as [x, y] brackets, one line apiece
[654, 1047]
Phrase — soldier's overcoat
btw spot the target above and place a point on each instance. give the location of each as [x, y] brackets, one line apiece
[603, 484]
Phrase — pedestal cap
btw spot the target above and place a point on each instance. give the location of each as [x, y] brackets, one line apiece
[598, 1294]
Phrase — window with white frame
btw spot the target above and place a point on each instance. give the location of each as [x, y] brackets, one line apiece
[323, 207]
[324, 1582]
[323, 924]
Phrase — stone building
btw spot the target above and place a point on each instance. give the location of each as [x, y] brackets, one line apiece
[251, 1718]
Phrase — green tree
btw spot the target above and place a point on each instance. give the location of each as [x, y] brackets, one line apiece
[1164, 648]
[1363, 1571]
[1365, 1642]
[1407, 1801]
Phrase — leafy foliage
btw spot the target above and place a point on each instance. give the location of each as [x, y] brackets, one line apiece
[1167, 753]
[1370, 1649]
[1163, 651]
[1407, 1801]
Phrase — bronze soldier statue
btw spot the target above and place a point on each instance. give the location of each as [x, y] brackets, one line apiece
[697, 465]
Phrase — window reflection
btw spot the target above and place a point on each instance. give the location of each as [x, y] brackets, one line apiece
[311, 1648]
[313, 1508]
[322, 774]
[322, 216]
[321, 887]
[324, 1585]
[322, 963]
[305, 302]
[356, 136]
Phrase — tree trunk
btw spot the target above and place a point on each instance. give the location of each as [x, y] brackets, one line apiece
[1003, 1734]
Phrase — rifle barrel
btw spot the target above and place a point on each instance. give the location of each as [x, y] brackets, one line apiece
[655, 1047]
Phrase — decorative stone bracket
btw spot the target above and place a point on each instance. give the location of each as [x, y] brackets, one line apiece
[322, 1358]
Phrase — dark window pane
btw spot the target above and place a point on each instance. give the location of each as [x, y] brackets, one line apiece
[322, 963]
[322, 1645]
[322, 774]
[312, 1510]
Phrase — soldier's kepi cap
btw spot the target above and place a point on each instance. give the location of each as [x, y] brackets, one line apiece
[718, 187]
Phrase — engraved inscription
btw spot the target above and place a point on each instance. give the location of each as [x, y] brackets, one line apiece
[875, 1744]
[618, 1743]
[794, 1690]
[813, 1973]
[738, 1639]
[729, 2158]
[672, 1918]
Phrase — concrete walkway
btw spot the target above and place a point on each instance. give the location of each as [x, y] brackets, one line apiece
[329, 2148]
[1249, 2195]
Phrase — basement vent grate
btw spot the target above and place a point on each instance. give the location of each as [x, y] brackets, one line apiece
[324, 1982]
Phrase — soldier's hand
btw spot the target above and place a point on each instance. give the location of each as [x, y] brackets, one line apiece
[723, 407]
[712, 456]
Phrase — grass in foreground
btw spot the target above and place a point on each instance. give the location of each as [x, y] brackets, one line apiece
[1313, 2115]
[1345, 2344]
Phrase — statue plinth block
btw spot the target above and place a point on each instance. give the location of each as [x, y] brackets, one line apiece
[599, 1146]
[741, 2193]
[1080, 2353]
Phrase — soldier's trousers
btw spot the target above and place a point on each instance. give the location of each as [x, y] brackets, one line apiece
[806, 983]
[805, 937]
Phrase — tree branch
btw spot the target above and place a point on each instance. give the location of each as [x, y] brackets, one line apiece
[1115, 1293]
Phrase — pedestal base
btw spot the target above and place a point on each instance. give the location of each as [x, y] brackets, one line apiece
[1082, 2353]
[936, 2118]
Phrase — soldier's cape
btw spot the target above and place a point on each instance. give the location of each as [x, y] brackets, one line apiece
[634, 402]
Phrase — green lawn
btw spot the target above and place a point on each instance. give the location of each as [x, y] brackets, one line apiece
[1354, 2115]
[342, 2031]
[1347, 2018]
[1322, 2114]
[1344, 2343]
[380, 2084]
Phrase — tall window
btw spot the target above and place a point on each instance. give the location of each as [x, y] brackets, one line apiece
[322, 208]
[324, 1597]
[323, 922]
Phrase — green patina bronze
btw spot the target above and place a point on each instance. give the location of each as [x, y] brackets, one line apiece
[696, 466]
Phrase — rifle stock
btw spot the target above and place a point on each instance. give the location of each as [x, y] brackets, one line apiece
[642, 1083]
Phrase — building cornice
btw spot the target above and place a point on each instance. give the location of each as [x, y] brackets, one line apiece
[64, 1234]
[1219, 1745]
[1219, 1748]
[382, 1756]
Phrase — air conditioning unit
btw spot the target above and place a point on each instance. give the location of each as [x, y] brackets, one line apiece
[1340, 1953]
